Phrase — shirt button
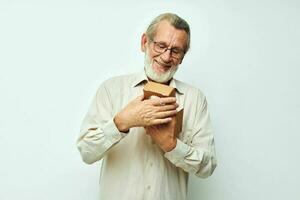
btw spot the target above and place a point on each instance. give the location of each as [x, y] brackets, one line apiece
[152, 142]
[151, 164]
[148, 187]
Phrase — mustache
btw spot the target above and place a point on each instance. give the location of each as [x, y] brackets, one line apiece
[163, 63]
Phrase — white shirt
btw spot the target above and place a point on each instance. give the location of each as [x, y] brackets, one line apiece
[134, 167]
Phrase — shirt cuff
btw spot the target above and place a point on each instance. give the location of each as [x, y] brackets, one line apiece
[178, 153]
[111, 132]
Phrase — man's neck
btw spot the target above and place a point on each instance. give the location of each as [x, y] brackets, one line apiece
[166, 83]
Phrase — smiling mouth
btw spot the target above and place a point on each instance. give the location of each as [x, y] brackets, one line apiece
[161, 68]
[163, 65]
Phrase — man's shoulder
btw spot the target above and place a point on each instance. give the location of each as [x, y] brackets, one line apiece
[121, 80]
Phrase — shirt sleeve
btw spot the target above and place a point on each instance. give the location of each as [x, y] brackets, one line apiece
[198, 156]
[98, 132]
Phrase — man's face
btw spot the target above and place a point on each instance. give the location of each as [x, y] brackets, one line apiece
[162, 66]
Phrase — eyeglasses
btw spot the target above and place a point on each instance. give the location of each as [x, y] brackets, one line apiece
[161, 47]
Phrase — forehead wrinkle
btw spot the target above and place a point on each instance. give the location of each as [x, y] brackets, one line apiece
[171, 36]
[171, 40]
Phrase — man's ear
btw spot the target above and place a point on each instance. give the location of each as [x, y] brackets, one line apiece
[143, 42]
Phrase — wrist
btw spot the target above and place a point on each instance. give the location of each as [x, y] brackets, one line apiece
[170, 146]
[119, 122]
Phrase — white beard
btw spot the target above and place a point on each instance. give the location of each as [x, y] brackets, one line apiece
[160, 78]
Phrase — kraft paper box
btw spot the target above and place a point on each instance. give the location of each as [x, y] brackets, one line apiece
[161, 90]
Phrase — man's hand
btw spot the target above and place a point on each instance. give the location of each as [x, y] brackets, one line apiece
[163, 135]
[142, 113]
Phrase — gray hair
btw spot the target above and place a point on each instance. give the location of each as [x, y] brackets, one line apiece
[175, 21]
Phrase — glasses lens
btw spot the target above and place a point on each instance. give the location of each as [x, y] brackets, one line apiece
[176, 55]
[161, 48]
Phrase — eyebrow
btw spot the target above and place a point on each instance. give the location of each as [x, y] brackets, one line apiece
[164, 43]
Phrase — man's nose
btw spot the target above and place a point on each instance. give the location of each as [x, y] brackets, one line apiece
[166, 56]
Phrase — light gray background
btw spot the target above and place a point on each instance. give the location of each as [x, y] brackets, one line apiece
[244, 56]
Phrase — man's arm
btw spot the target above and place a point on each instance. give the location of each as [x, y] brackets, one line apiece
[98, 131]
[101, 130]
[198, 156]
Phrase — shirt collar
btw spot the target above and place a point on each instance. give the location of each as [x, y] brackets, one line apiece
[141, 78]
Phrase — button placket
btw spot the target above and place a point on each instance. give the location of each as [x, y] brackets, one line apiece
[149, 171]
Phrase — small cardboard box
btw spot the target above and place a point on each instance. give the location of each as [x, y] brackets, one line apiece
[178, 119]
[161, 90]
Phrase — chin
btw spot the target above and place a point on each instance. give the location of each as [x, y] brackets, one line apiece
[160, 72]
[160, 76]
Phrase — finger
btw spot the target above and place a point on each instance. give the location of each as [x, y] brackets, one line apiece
[160, 121]
[168, 100]
[163, 101]
[168, 107]
[165, 114]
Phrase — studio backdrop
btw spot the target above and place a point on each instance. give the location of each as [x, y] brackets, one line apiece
[244, 56]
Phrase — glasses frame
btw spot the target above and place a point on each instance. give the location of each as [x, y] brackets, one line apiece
[182, 53]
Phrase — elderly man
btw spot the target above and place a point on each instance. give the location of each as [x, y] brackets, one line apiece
[141, 160]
